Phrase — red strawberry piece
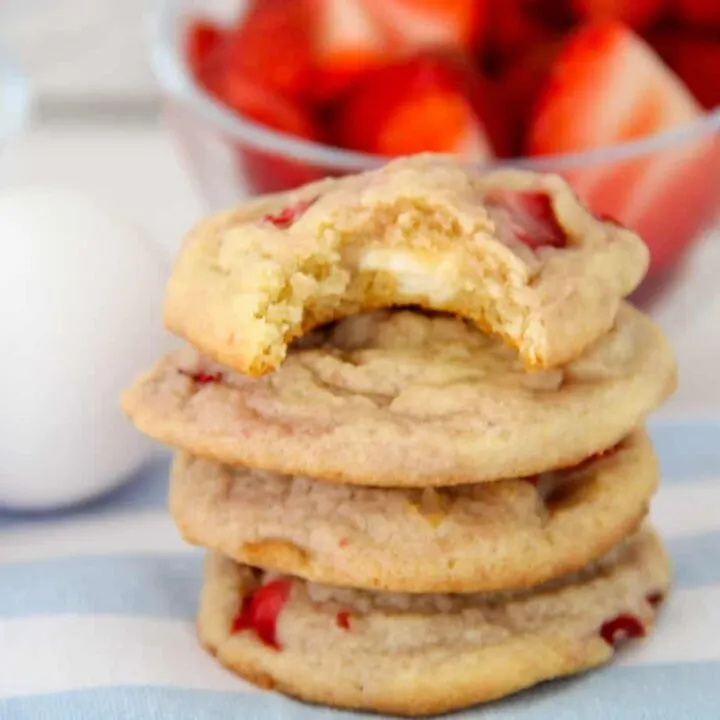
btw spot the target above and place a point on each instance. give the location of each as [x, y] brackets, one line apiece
[702, 14]
[264, 171]
[271, 46]
[426, 103]
[419, 24]
[260, 611]
[608, 86]
[343, 542]
[623, 627]
[201, 377]
[696, 60]
[347, 41]
[520, 83]
[202, 38]
[267, 173]
[532, 479]
[527, 217]
[288, 215]
[517, 25]
[638, 14]
[655, 599]
[343, 620]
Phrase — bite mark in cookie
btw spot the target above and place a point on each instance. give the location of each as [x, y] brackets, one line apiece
[513, 252]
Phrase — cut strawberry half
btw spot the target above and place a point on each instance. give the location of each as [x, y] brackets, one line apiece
[346, 41]
[260, 611]
[623, 627]
[638, 14]
[527, 217]
[419, 24]
[702, 14]
[696, 60]
[608, 86]
[427, 103]
[271, 46]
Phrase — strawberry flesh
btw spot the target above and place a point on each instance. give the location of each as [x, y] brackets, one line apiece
[201, 377]
[527, 217]
[623, 627]
[260, 611]
[343, 620]
[288, 215]
[430, 102]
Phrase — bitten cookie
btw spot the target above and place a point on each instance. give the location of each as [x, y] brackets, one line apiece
[425, 654]
[515, 252]
[493, 536]
[401, 399]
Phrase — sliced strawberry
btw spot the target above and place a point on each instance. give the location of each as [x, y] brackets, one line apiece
[608, 86]
[419, 24]
[638, 14]
[426, 103]
[271, 46]
[518, 25]
[520, 83]
[202, 38]
[527, 217]
[623, 627]
[256, 102]
[702, 14]
[260, 611]
[347, 41]
[696, 59]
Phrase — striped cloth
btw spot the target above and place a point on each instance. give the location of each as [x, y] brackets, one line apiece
[97, 615]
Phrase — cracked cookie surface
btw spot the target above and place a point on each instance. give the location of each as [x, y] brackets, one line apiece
[425, 654]
[477, 538]
[514, 252]
[402, 399]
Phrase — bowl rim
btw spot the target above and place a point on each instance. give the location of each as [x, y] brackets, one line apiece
[14, 96]
[177, 81]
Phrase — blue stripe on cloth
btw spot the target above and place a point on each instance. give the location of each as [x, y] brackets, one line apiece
[686, 691]
[687, 450]
[167, 586]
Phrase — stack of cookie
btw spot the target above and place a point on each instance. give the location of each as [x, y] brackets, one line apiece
[413, 510]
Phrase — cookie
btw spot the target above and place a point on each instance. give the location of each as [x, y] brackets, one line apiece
[398, 398]
[513, 251]
[425, 654]
[475, 538]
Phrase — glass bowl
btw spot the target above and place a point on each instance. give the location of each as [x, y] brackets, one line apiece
[666, 186]
[14, 99]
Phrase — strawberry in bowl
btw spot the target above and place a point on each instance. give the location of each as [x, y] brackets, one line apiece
[621, 98]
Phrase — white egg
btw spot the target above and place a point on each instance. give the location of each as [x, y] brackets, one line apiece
[80, 314]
